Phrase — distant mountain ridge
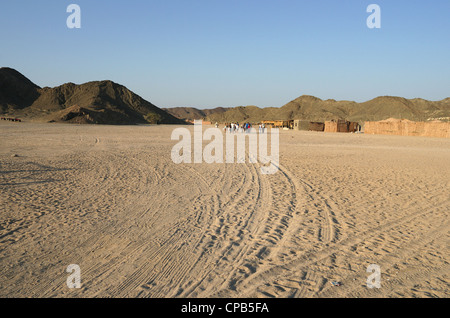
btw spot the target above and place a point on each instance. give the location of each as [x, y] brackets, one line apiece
[106, 102]
[311, 108]
[191, 113]
[97, 102]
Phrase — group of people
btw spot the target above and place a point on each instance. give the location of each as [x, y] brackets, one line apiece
[236, 127]
[11, 119]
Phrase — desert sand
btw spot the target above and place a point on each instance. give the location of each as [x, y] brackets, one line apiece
[110, 199]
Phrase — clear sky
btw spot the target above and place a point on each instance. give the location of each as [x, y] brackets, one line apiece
[210, 53]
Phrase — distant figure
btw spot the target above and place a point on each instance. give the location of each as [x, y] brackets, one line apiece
[217, 125]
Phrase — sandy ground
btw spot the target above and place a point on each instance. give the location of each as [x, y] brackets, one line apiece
[111, 200]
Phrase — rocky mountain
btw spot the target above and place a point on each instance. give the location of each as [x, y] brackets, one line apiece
[315, 109]
[16, 91]
[191, 113]
[99, 102]
[106, 102]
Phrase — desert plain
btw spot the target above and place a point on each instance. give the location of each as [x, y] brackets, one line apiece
[110, 199]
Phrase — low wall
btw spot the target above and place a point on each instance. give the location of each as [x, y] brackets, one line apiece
[316, 126]
[331, 126]
[408, 128]
[301, 125]
[341, 126]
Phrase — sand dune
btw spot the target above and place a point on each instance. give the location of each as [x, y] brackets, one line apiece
[111, 200]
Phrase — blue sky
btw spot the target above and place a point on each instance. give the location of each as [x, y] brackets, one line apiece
[210, 53]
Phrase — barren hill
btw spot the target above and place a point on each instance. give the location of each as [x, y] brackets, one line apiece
[106, 102]
[315, 109]
[16, 91]
[100, 102]
[191, 113]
